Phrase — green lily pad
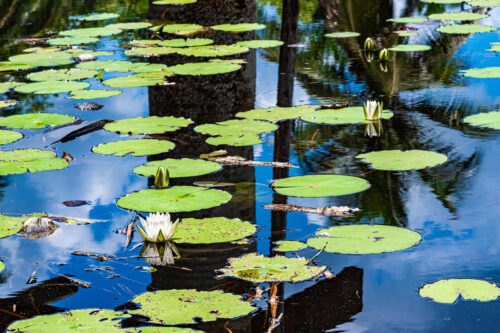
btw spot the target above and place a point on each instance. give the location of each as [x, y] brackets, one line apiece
[240, 27]
[163, 329]
[402, 160]
[484, 3]
[88, 320]
[408, 20]
[150, 51]
[483, 73]
[465, 28]
[258, 268]
[260, 43]
[91, 32]
[39, 49]
[458, 16]
[5, 86]
[488, 120]
[177, 42]
[46, 59]
[174, 199]
[134, 147]
[138, 80]
[72, 40]
[236, 127]
[212, 50]
[405, 33]
[185, 167]
[9, 136]
[98, 17]
[231, 61]
[129, 25]
[5, 103]
[410, 48]
[350, 115]
[7, 66]
[494, 47]
[320, 185]
[235, 140]
[364, 239]
[10, 225]
[62, 74]
[204, 68]
[443, 1]
[51, 87]
[212, 230]
[288, 246]
[276, 114]
[449, 290]
[75, 53]
[173, 2]
[35, 120]
[180, 29]
[180, 306]
[121, 66]
[33, 160]
[91, 94]
[343, 34]
[2, 266]
[148, 125]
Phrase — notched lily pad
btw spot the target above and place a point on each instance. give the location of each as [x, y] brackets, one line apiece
[458, 16]
[91, 94]
[402, 160]
[62, 75]
[204, 68]
[148, 125]
[212, 230]
[20, 161]
[289, 246]
[35, 120]
[134, 147]
[343, 34]
[465, 28]
[184, 167]
[276, 114]
[260, 43]
[320, 185]
[240, 27]
[449, 290]
[212, 50]
[410, 48]
[488, 120]
[51, 87]
[350, 115]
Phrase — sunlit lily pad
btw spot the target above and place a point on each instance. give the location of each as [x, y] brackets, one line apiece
[484, 3]
[62, 74]
[2, 266]
[72, 40]
[212, 230]
[364, 239]
[77, 52]
[10, 225]
[51, 87]
[33, 160]
[48, 59]
[240, 140]
[91, 94]
[258, 268]
[151, 51]
[408, 20]
[148, 125]
[343, 34]
[98, 17]
[5, 86]
[289, 246]
[35, 120]
[185, 167]
[231, 61]
[7, 66]
[488, 120]
[458, 16]
[276, 114]
[9, 136]
[40, 49]
[174, 199]
[176, 42]
[204, 68]
[91, 32]
[212, 50]
[236, 127]
[173, 2]
[129, 25]
[483, 73]
[449, 290]
[405, 33]
[138, 80]
[181, 306]
[494, 47]
[180, 29]
[320, 185]
[402, 160]
[443, 1]
[240, 27]
[260, 43]
[350, 115]
[134, 147]
[410, 48]
[122, 66]
[465, 28]
[5, 103]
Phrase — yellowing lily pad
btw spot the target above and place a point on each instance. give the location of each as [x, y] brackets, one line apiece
[180, 29]
[176, 42]
[35, 120]
[91, 32]
[138, 80]
[151, 51]
[134, 147]
[174, 199]
[288, 246]
[260, 43]
[51, 87]
[276, 114]
[185, 167]
[2, 266]
[488, 120]
[129, 25]
[240, 27]
[5, 86]
[350, 115]
[78, 40]
[458, 16]
[148, 125]
[410, 48]
[121, 66]
[33, 160]
[483, 73]
[91, 94]
[408, 20]
[258, 268]
[448, 291]
[343, 34]
[10, 225]
[62, 74]
[9, 136]
[465, 28]
[5, 103]
[98, 17]
[320, 185]
[212, 50]
[402, 160]
[212, 230]
[364, 239]
[204, 68]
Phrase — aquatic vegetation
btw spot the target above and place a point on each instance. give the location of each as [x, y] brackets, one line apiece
[98, 17]
[7, 66]
[320, 185]
[349, 115]
[260, 43]
[239, 27]
[402, 160]
[72, 40]
[494, 47]
[160, 254]
[276, 113]
[368, 44]
[373, 110]
[91, 32]
[449, 290]
[93, 93]
[2, 266]
[138, 80]
[33, 160]
[408, 20]
[465, 28]
[373, 128]
[157, 227]
[204, 68]
[383, 55]
[5, 86]
[5, 103]
[212, 50]
[177, 168]
[129, 25]
[484, 3]
[62, 74]
[485, 120]
[121, 66]
[212, 230]
[173, 2]
[289, 246]
[458, 16]
[134, 147]
[7, 136]
[405, 33]
[152, 51]
[343, 34]
[482, 73]
[35, 120]
[179, 29]
[148, 125]
[236, 132]
[162, 178]
[409, 48]
[45, 59]
[10, 225]
[176, 42]
[51, 87]
[443, 1]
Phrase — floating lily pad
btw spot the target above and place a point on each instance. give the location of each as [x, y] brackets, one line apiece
[212, 230]
[173, 2]
[10, 225]
[151, 51]
[408, 20]
[51, 87]
[2, 266]
[180, 29]
[138, 80]
[7, 66]
[91, 32]
[448, 291]
[9, 136]
[443, 1]
[494, 47]
[488, 120]
[402, 160]
[62, 74]
[35, 120]
[235, 140]
[91, 94]
[364, 239]
[181, 306]
[405, 33]
[72, 40]
[134, 147]
[75, 53]
[39, 49]
[258, 268]
[5, 86]
[410, 48]
[458, 16]
[231, 61]
[240, 27]
[129, 25]
[121, 66]
[47, 59]
[98, 17]
[350, 115]
[174, 199]
[235, 127]
[484, 3]
[33, 160]
[288, 246]
[212, 50]
[276, 114]
[320, 185]
[343, 34]
[483, 73]
[88, 320]
[148, 125]
[204, 68]
[465, 28]
[185, 167]
[177, 42]
[5, 103]
[261, 43]
[164, 329]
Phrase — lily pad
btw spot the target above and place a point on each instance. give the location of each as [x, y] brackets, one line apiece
[129, 25]
[483, 73]
[488, 120]
[62, 74]
[121, 66]
[402, 160]
[138, 80]
[465, 28]
[35, 120]
[240, 27]
[174, 199]
[5, 86]
[5, 103]
[236, 127]
[7, 66]
[320, 185]
[148, 125]
[173, 2]
[364, 239]
[33, 160]
[494, 47]
[212, 230]
[10, 225]
[51, 87]
[410, 48]
[185, 167]
[9, 136]
[72, 40]
[260, 43]
[181, 306]
[288, 246]
[47, 59]
[343, 34]
[258, 268]
[204, 68]
[408, 20]
[235, 140]
[458, 16]
[449, 290]
[484, 3]
[98, 17]
[350, 115]
[181, 29]
[276, 114]
[91, 94]
[177, 42]
[443, 1]
[91, 32]
[405, 33]
[134, 147]
[212, 50]
[151, 51]
[75, 53]
[2, 266]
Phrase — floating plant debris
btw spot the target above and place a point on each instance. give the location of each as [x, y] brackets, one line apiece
[409, 48]
[487, 120]
[320, 185]
[402, 160]
[35, 120]
[343, 34]
[465, 28]
[148, 125]
[184, 167]
[20, 161]
[350, 115]
[449, 290]
[134, 147]
[289, 246]
[212, 230]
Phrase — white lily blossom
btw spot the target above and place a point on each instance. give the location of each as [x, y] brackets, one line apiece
[157, 227]
[373, 110]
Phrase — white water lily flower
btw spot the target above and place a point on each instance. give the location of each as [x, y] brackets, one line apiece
[157, 227]
[160, 254]
[373, 110]
[373, 128]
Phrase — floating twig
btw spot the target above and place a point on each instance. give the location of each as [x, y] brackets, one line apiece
[96, 256]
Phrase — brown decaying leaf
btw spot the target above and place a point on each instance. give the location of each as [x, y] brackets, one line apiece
[130, 232]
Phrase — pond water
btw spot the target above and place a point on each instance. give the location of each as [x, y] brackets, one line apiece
[454, 205]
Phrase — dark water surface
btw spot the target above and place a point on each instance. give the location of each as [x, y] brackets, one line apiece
[455, 206]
